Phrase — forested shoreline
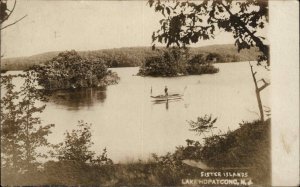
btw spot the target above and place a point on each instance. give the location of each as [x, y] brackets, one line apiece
[133, 56]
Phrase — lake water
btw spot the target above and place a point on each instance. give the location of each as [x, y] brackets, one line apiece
[131, 126]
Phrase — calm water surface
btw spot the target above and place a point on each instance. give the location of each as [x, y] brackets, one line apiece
[131, 126]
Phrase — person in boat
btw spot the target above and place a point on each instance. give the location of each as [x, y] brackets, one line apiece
[166, 91]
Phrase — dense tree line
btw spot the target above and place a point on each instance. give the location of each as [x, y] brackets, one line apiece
[132, 56]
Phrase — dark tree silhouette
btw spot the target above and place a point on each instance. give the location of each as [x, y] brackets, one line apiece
[22, 131]
[6, 12]
[188, 22]
[33, 132]
[11, 154]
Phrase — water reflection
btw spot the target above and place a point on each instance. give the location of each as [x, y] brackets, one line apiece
[167, 105]
[79, 98]
[166, 102]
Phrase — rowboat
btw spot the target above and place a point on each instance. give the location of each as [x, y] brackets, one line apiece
[166, 97]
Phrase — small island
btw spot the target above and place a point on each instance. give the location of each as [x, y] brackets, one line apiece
[69, 70]
[177, 62]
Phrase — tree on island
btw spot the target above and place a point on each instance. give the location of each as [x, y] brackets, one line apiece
[188, 22]
[171, 62]
[176, 62]
[70, 70]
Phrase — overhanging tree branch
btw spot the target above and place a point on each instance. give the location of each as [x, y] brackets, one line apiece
[13, 22]
[181, 27]
[10, 12]
[262, 47]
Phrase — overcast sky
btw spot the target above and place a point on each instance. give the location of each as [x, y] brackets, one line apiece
[82, 25]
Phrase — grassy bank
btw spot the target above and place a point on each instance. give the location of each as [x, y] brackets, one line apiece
[246, 147]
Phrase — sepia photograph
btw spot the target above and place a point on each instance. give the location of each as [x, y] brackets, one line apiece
[146, 93]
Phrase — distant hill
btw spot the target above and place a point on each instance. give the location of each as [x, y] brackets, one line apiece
[131, 56]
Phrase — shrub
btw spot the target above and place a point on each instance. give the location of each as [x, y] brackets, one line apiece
[246, 147]
[199, 65]
[77, 164]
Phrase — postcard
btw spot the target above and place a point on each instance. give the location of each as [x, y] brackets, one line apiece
[149, 93]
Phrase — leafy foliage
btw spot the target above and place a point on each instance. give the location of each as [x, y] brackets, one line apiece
[11, 153]
[246, 147]
[69, 70]
[175, 62]
[200, 65]
[4, 12]
[32, 133]
[203, 124]
[187, 22]
[22, 132]
[72, 173]
[170, 171]
[77, 144]
[77, 164]
[170, 63]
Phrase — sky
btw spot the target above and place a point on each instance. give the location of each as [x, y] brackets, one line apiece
[83, 25]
